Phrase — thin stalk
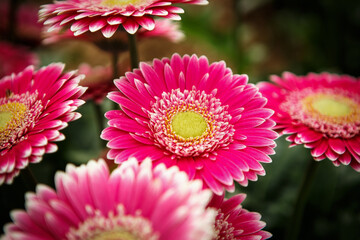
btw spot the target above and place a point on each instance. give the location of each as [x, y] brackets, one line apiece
[100, 122]
[133, 51]
[296, 220]
[12, 19]
[29, 179]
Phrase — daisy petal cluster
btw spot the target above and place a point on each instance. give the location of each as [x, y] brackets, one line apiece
[34, 106]
[135, 201]
[198, 116]
[107, 15]
[233, 222]
[164, 28]
[320, 111]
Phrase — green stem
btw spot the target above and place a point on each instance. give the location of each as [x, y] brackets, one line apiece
[115, 57]
[100, 122]
[29, 179]
[12, 19]
[133, 51]
[295, 223]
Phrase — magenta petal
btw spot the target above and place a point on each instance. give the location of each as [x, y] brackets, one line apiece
[130, 26]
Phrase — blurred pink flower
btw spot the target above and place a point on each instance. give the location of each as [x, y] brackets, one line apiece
[98, 80]
[234, 222]
[14, 58]
[108, 15]
[27, 29]
[198, 116]
[34, 106]
[133, 202]
[321, 111]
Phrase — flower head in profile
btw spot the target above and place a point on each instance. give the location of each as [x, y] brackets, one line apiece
[235, 222]
[15, 58]
[198, 116]
[164, 28]
[108, 15]
[34, 106]
[135, 201]
[321, 111]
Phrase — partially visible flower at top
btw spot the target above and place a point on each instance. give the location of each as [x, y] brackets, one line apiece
[135, 201]
[321, 111]
[198, 116]
[26, 28]
[15, 58]
[108, 15]
[164, 28]
[34, 106]
[233, 222]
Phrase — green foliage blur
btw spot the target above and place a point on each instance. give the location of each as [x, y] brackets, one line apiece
[258, 38]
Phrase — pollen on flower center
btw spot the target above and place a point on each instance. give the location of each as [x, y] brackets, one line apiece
[115, 235]
[5, 118]
[121, 3]
[330, 111]
[11, 114]
[189, 124]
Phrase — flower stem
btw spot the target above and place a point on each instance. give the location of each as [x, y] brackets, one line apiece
[133, 51]
[100, 122]
[29, 179]
[296, 220]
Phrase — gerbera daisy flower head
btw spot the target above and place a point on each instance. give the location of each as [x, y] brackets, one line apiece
[34, 106]
[235, 222]
[164, 28]
[198, 116]
[321, 111]
[108, 15]
[15, 58]
[135, 201]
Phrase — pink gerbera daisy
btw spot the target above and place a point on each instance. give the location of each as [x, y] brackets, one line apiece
[164, 28]
[200, 117]
[34, 106]
[321, 111]
[236, 223]
[133, 202]
[14, 59]
[108, 15]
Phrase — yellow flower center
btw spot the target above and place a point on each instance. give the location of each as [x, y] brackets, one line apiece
[335, 108]
[189, 124]
[115, 235]
[121, 3]
[5, 118]
[11, 116]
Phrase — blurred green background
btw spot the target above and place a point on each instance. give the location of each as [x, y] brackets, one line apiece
[259, 38]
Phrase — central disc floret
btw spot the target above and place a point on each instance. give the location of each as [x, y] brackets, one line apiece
[330, 111]
[190, 123]
[17, 113]
[122, 3]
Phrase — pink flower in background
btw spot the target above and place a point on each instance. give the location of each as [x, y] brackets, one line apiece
[321, 111]
[235, 222]
[198, 116]
[164, 28]
[133, 202]
[14, 59]
[98, 81]
[34, 106]
[108, 15]
[27, 30]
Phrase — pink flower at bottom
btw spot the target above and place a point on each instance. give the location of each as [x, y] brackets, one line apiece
[321, 111]
[135, 201]
[236, 223]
